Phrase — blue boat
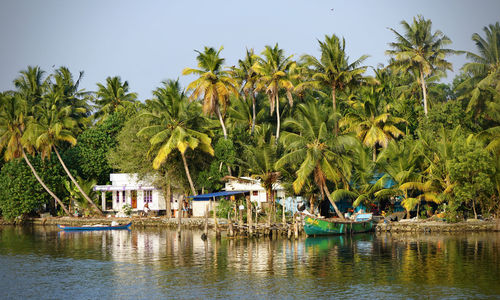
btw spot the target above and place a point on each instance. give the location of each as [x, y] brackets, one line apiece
[94, 227]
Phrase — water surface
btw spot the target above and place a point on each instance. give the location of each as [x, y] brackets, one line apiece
[45, 263]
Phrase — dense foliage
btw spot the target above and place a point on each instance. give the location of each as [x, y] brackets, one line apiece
[320, 125]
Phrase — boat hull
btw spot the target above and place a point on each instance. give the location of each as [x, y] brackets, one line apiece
[92, 228]
[315, 226]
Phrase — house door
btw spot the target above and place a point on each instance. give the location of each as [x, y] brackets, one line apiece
[133, 195]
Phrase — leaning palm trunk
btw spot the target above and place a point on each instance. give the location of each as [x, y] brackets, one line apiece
[186, 168]
[325, 188]
[43, 184]
[76, 183]
[221, 120]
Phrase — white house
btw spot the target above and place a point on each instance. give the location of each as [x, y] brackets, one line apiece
[129, 189]
[257, 192]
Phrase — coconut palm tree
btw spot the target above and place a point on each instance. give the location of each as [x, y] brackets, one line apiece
[114, 96]
[248, 77]
[174, 124]
[53, 124]
[63, 83]
[364, 184]
[274, 75]
[332, 69]
[314, 151]
[420, 50]
[12, 129]
[261, 164]
[214, 84]
[31, 85]
[484, 70]
[371, 120]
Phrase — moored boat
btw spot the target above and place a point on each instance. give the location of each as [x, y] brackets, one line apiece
[317, 226]
[94, 227]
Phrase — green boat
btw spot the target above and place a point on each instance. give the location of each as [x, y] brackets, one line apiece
[315, 226]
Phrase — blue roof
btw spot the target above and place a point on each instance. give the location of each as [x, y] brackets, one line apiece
[206, 197]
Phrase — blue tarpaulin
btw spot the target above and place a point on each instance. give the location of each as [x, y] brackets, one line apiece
[206, 197]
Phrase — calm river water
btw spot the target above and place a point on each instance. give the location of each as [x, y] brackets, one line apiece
[44, 263]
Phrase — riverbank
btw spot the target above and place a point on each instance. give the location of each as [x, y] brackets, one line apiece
[199, 223]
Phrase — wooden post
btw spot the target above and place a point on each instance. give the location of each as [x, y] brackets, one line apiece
[216, 226]
[206, 220]
[204, 236]
[230, 225]
[179, 216]
[295, 227]
[249, 216]
[283, 207]
[103, 200]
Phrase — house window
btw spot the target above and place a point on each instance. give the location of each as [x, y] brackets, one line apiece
[255, 193]
[117, 197]
[123, 196]
[148, 196]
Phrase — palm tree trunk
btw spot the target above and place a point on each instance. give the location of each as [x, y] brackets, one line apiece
[253, 114]
[325, 188]
[334, 102]
[168, 200]
[75, 182]
[374, 155]
[278, 121]
[221, 120]
[43, 184]
[186, 168]
[424, 90]
[474, 208]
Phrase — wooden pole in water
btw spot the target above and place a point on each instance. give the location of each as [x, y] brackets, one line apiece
[295, 227]
[249, 216]
[179, 216]
[216, 226]
[283, 207]
[230, 225]
[206, 223]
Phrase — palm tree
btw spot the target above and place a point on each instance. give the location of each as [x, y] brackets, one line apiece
[314, 151]
[420, 50]
[371, 121]
[248, 77]
[332, 69]
[31, 86]
[274, 75]
[174, 124]
[401, 161]
[12, 129]
[52, 125]
[214, 83]
[68, 92]
[260, 161]
[114, 96]
[364, 185]
[484, 70]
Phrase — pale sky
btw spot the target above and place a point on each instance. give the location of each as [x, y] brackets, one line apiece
[148, 41]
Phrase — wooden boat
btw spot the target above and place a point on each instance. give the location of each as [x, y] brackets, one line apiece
[94, 227]
[316, 226]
